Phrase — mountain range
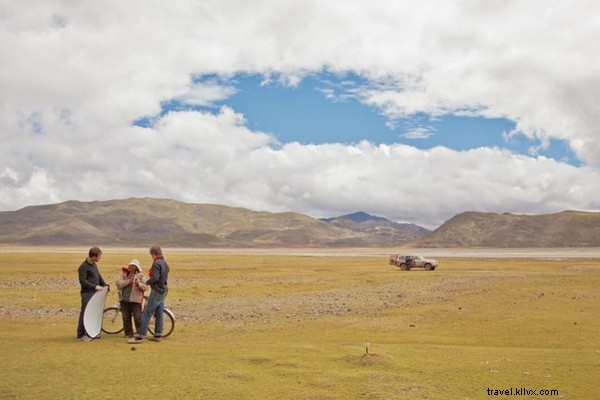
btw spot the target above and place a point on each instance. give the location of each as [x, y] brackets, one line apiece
[144, 221]
[147, 221]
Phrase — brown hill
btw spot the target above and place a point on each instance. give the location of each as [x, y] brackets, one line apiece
[146, 221]
[477, 229]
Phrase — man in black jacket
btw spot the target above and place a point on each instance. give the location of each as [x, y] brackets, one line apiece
[159, 275]
[91, 281]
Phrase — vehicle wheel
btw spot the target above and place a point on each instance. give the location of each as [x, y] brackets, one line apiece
[168, 323]
[428, 267]
[112, 320]
[403, 267]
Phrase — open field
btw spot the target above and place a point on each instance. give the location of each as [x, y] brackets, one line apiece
[293, 325]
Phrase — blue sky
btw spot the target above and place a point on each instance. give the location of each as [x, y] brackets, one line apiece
[321, 108]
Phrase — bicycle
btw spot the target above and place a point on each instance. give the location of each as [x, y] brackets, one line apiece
[112, 320]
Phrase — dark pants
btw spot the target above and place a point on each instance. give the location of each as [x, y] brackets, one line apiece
[85, 298]
[129, 310]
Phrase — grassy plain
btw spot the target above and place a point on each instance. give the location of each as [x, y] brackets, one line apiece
[276, 326]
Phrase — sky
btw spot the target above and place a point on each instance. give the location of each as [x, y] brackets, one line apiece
[411, 111]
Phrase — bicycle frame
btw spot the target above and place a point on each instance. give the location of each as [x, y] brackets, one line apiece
[116, 309]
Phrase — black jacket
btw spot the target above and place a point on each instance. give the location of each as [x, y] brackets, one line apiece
[89, 277]
[159, 274]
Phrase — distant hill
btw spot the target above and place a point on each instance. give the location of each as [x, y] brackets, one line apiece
[477, 229]
[357, 217]
[377, 229]
[147, 221]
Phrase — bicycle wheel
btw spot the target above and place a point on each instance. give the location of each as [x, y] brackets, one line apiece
[112, 320]
[168, 323]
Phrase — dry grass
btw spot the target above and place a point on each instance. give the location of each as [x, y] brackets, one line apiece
[267, 326]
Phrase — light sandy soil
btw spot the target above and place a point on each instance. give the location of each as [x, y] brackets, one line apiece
[525, 253]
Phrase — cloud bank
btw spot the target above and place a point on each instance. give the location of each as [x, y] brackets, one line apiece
[76, 76]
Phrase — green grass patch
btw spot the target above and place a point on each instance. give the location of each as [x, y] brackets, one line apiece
[286, 327]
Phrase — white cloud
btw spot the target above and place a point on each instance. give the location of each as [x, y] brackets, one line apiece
[421, 132]
[206, 93]
[215, 158]
[75, 76]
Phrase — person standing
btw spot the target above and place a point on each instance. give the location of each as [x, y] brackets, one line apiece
[159, 275]
[131, 294]
[91, 281]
